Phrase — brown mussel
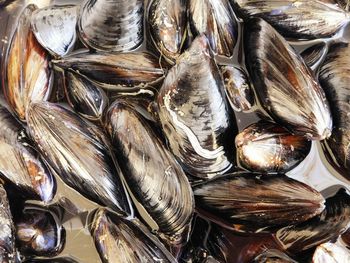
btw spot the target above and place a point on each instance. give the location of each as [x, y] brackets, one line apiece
[273, 256]
[120, 240]
[331, 253]
[195, 115]
[111, 24]
[27, 76]
[302, 19]
[168, 26]
[269, 148]
[334, 79]
[248, 202]
[216, 20]
[153, 176]
[20, 162]
[285, 86]
[79, 153]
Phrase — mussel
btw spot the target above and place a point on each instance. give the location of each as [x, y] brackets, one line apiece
[334, 80]
[268, 147]
[111, 24]
[345, 4]
[52, 260]
[285, 86]
[20, 163]
[79, 153]
[332, 222]
[248, 202]
[168, 26]
[302, 19]
[331, 253]
[120, 240]
[195, 115]
[154, 177]
[273, 256]
[313, 54]
[27, 76]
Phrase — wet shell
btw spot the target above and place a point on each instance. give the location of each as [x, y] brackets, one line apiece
[20, 163]
[79, 153]
[284, 84]
[237, 88]
[216, 20]
[332, 222]
[268, 147]
[54, 28]
[245, 199]
[168, 26]
[27, 76]
[52, 260]
[273, 256]
[345, 4]
[194, 113]
[84, 97]
[111, 24]
[297, 19]
[115, 71]
[155, 179]
[313, 54]
[334, 78]
[331, 253]
[119, 240]
[39, 233]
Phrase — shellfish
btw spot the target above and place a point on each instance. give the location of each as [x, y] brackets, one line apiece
[331, 253]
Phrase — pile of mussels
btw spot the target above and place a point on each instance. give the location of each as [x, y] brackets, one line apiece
[132, 107]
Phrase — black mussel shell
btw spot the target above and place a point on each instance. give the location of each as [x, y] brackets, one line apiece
[332, 222]
[195, 115]
[273, 256]
[296, 19]
[154, 177]
[285, 86]
[80, 154]
[330, 252]
[334, 79]
[246, 201]
[313, 54]
[268, 147]
[120, 240]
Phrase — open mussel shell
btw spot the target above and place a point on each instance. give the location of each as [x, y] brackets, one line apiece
[302, 19]
[268, 147]
[27, 76]
[249, 202]
[332, 222]
[168, 26]
[237, 88]
[273, 256]
[195, 115]
[285, 86]
[331, 253]
[216, 20]
[334, 79]
[313, 54]
[87, 99]
[79, 153]
[111, 24]
[154, 177]
[120, 240]
[54, 28]
[20, 163]
[39, 233]
[115, 71]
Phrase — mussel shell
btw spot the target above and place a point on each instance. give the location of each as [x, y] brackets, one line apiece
[285, 86]
[20, 163]
[27, 76]
[79, 153]
[121, 240]
[273, 256]
[334, 79]
[154, 177]
[195, 115]
[237, 88]
[313, 54]
[111, 24]
[216, 20]
[345, 4]
[296, 19]
[39, 233]
[54, 28]
[115, 71]
[52, 260]
[87, 99]
[243, 201]
[268, 147]
[168, 26]
[332, 222]
[331, 253]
